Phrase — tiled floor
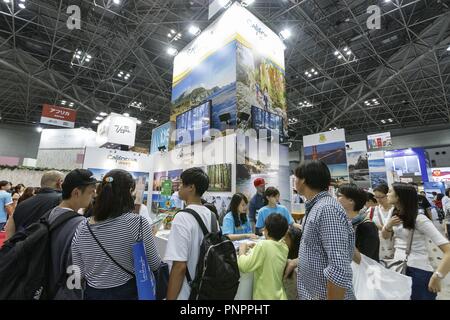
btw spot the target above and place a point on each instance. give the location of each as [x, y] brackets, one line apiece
[435, 258]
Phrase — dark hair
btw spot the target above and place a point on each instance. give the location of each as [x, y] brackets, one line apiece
[18, 187]
[439, 196]
[115, 196]
[383, 188]
[316, 174]
[413, 184]
[196, 177]
[27, 193]
[4, 183]
[276, 226]
[295, 234]
[371, 197]
[211, 208]
[358, 195]
[408, 199]
[447, 192]
[434, 193]
[270, 192]
[234, 208]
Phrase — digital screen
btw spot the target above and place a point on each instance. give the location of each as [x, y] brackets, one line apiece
[266, 120]
[196, 121]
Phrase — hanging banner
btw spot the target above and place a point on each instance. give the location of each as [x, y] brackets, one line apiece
[441, 174]
[377, 168]
[58, 116]
[329, 147]
[379, 141]
[117, 130]
[358, 166]
[160, 138]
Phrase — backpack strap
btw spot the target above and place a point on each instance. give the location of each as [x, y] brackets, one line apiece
[199, 220]
[106, 252]
[63, 218]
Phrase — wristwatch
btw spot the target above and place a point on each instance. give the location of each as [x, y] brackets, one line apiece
[439, 275]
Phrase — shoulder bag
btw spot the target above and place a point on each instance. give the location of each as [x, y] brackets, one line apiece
[401, 266]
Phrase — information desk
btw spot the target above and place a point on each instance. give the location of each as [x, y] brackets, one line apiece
[245, 290]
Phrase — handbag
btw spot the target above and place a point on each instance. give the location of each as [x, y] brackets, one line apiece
[160, 277]
[401, 266]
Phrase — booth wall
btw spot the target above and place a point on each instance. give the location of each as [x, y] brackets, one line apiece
[30, 178]
[19, 141]
[63, 159]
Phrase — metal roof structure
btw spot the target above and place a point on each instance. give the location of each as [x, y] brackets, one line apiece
[364, 80]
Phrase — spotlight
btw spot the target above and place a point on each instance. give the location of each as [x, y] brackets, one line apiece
[194, 30]
[126, 114]
[99, 118]
[21, 6]
[103, 114]
[116, 2]
[285, 34]
[139, 122]
[172, 51]
[39, 129]
[95, 121]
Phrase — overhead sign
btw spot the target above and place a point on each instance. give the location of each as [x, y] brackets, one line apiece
[58, 116]
[67, 138]
[117, 129]
[379, 141]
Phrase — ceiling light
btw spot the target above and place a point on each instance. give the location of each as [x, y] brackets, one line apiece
[172, 51]
[77, 56]
[79, 52]
[194, 30]
[340, 56]
[126, 114]
[99, 118]
[316, 73]
[336, 53]
[383, 121]
[87, 59]
[119, 75]
[345, 49]
[116, 1]
[312, 70]
[88, 56]
[348, 52]
[386, 1]
[6, 1]
[39, 129]
[448, 49]
[246, 3]
[103, 114]
[63, 102]
[285, 34]
[139, 122]
[71, 104]
[309, 75]
[95, 121]
[21, 5]
[390, 120]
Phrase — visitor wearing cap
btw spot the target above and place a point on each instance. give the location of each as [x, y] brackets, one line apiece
[257, 201]
[78, 190]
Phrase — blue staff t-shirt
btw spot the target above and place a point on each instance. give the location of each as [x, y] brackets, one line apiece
[5, 199]
[228, 226]
[264, 212]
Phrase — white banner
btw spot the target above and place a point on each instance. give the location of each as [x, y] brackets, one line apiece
[324, 137]
[67, 138]
[117, 129]
[109, 159]
[357, 146]
[235, 23]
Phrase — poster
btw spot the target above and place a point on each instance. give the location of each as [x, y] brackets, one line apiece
[157, 180]
[219, 177]
[222, 203]
[377, 168]
[141, 181]
[379, 141]
[175, 177]
[358, 165]
[441, 174]
[329, 147]
[160, 138]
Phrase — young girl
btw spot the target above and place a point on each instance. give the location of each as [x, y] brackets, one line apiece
[235, 223]
[411, 230]
[267, 260]
[271, 198]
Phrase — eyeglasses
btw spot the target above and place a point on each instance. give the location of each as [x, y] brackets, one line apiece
[380, 197]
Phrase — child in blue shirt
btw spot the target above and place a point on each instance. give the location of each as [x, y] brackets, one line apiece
[235, 223]
[272, 197]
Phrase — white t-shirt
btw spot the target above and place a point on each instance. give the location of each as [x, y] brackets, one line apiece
[143, 211]
[381, 216]
[446, 203]
[184, 242]
[425, 229]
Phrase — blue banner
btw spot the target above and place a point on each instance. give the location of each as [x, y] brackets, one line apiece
[145, 280]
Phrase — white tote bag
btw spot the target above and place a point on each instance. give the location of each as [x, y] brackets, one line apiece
[372, 281]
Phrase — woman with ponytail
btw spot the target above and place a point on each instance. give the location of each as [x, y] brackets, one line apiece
[102, 246]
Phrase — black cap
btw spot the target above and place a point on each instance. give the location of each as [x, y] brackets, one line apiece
[77, 178]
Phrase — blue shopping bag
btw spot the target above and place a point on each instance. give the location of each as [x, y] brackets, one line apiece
[145, 280]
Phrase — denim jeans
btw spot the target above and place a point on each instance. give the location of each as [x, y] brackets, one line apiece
[2, 225]
[420, 280]
[127, 291]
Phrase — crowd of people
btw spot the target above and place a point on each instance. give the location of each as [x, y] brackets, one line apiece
[101, 222]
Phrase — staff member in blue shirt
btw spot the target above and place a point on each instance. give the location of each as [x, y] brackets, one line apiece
[236, 225]
[272, 198]
[6, 203]
[257, 201]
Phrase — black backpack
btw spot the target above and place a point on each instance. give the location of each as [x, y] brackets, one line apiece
[25, 260]
[217, 276]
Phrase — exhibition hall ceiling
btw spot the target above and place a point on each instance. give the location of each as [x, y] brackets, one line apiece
[339, 73]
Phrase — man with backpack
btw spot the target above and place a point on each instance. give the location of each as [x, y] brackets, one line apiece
[32, 209]
[78, 191]
[195, 230]
[34, 261]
